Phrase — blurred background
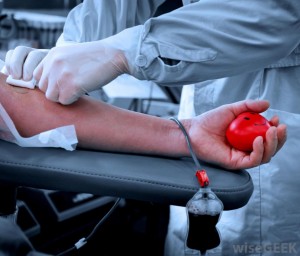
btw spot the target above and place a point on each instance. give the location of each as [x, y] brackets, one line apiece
[36, 23]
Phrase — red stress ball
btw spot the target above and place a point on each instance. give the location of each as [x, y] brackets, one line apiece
[245, 128]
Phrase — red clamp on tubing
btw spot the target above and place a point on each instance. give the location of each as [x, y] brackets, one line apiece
[202, 178]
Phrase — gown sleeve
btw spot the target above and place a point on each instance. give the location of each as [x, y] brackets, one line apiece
[205, 40]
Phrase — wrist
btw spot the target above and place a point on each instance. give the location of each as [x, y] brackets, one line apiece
[120, 61]
[127, 42]
[178, 138]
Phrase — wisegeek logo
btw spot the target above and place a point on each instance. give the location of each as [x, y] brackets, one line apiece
[275, 248]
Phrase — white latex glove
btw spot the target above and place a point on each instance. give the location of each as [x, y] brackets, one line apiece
[22, 61]
[70, 71]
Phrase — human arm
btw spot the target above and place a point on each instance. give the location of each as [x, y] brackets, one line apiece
[213, 39]
[101, 126]
[86, 22]
[200, 41]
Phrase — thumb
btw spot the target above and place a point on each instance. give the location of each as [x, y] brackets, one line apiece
[257, 106]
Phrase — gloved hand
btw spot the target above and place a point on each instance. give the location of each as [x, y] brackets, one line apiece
[22, 61]
[70, 71]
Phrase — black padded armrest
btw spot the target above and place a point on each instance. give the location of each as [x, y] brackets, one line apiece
[157, 179]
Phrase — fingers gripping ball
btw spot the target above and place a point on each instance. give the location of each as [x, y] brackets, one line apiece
[245, 128]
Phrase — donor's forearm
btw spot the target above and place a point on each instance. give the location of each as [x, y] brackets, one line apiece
[99, 126]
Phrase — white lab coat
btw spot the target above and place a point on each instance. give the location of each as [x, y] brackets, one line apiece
[252, 42]
[208, 39]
